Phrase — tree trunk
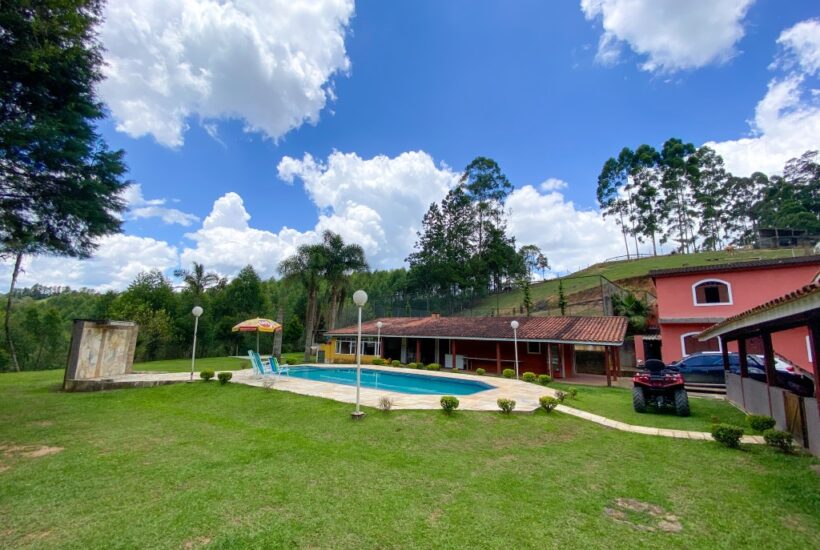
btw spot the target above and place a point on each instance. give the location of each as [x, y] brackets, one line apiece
[310, 320]
[9, 342]
[654, 246]
[333, 312]
[623, 231]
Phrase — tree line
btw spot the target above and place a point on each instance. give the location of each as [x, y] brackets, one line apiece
[685, 196]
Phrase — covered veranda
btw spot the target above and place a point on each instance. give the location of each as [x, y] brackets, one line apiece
[797, 414]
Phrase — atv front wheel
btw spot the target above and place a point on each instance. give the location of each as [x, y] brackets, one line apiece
[681, 403]
[638, 399]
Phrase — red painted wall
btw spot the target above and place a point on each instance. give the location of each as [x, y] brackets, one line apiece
[748, 289]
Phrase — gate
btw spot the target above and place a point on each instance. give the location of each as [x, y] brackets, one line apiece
[795, 417]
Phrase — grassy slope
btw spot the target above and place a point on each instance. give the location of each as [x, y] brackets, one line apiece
[615, 271]
[236, 466]
[616, 403]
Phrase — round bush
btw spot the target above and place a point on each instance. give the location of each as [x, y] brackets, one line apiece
[224, 377]
[572, 392]
[378, 361]
[727, 434]
[396, 363]
[433, 366]
[480, 372]
[760, 423]
[206, 374]
[559, 395]
[779, 440]
[449, 403]
[544, 379]
[508, 373]
[506, 405]
[548, 403]
[528, 377]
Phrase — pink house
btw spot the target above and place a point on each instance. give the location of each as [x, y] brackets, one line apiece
[691, 299]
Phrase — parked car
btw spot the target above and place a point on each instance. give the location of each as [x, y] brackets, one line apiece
[707, 368]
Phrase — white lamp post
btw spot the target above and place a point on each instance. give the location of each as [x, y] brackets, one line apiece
[379, 326]
[514, 325]
[196, 312]
[360, 299]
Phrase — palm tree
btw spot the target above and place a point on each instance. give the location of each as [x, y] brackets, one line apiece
[307, 266]
[636, 310]
[197, 280]
[341, 260]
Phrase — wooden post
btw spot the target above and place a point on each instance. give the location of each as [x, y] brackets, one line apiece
[724, 346]
[744, 367]
[771, 373]
[607, 359]
[498, 357]
[616, 356]
[418, 350]
[814, 337]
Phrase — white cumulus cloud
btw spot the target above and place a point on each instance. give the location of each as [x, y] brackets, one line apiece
[377, 203]
[570, 237]
[269, 63]
[118, 260]
[670, 35]
[139, 207]
[787, 120]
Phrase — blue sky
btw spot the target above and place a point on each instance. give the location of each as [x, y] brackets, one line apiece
[547, 89]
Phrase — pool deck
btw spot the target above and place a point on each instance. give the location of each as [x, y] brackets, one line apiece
[525, 394]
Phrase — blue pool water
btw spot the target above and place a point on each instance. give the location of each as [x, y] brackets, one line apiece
[391, 381]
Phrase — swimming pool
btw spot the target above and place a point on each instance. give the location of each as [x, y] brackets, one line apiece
[391, 381]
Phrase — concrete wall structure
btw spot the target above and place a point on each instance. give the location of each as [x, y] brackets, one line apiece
[99, 349]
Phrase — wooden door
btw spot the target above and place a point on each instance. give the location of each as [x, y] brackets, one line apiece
[795, 417]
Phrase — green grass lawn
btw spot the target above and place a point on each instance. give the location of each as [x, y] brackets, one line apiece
[616, 403]
[184, 365]
[615, 271]
[186, 465]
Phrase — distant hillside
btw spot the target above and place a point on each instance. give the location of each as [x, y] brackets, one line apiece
[583, 288]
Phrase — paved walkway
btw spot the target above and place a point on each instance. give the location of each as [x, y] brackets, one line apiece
[526, 396]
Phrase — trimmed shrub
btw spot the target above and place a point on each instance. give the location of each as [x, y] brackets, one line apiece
[480, 372]
[506, 405]
[449, 403]
[292, 361]
[206, 374]
[433, 366]
[528, 377]
[572, 392]
[727, 434]
[779, 440]
[760, 423]
[508, 373]
[385, 403]
[560, 396]
[396, 363]
[224, 377]
[544, 379]
[548, 403]
[378, 361]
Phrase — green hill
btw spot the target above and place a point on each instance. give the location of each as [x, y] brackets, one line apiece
[584, 286]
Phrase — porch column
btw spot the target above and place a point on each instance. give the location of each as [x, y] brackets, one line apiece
[814, 337]
[616, 356]
[724, 346]
[771, 373]
[418, 350]
[498, 357]
[607, 360]
[744, 367]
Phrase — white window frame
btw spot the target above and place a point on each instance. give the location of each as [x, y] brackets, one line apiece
[529, 343]
[683, 343]
[721, 281]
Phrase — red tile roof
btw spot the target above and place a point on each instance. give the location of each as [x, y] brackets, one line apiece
[799, 294]
[587, 330]
[737, 266]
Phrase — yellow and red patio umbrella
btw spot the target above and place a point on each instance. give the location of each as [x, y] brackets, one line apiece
[257, 325]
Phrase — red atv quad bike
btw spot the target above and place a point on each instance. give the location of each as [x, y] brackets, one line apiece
[660, 386]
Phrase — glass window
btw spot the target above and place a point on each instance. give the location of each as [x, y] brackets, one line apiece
[712, 292]
[534, 347]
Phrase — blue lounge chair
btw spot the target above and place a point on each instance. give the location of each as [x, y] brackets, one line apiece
[276, 368]
[256, 362]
